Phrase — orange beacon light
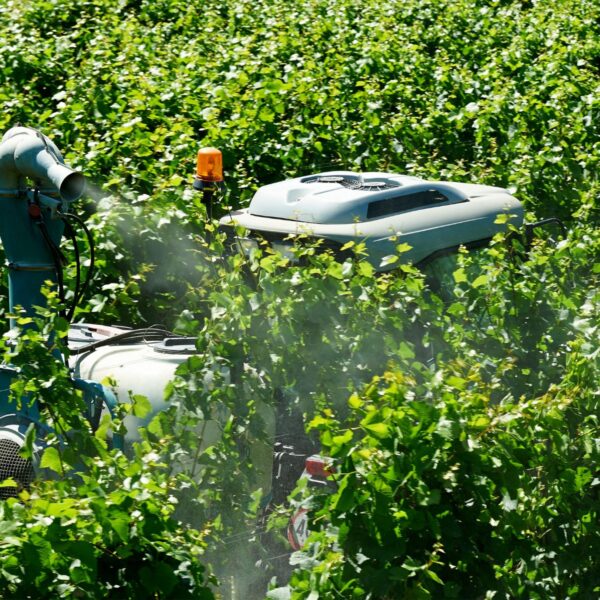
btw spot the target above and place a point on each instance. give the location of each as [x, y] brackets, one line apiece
[209, 168]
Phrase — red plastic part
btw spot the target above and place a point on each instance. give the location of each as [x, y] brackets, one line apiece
[35, 212]
[315, 466]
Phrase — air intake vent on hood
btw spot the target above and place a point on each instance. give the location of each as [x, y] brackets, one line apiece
[348, 181]
[377, 186]
[353, 182]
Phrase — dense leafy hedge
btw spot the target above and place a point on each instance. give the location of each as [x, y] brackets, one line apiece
[96, 524]
[471, 475]
[480, 480]
[499, 92]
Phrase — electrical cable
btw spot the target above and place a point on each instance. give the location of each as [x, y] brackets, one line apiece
[238, 243]
[235, 237]
[80, 291]
[57, 257]
[223, 189]
[70, 234]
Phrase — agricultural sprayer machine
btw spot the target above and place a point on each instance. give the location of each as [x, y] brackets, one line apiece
[382, 210]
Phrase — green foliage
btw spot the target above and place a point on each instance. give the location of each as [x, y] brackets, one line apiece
[478, 479]
[464, 427]
[111, 534]
[96, 524]
[496, 92]
[280, 341]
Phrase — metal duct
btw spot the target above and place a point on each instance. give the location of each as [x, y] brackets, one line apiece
[34, 182]
[25, 152]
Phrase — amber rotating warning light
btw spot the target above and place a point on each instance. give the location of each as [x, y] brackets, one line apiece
[209, 168]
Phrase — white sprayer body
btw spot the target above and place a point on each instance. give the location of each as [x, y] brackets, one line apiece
[145, 368]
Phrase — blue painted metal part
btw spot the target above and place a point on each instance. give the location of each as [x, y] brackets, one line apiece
[34, 183]
[30, 261]
[96, 396]
[24, 407]
[17, 416]
[31, 232]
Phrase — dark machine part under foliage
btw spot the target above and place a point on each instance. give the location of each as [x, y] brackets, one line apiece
[232, 241]
[291, 449]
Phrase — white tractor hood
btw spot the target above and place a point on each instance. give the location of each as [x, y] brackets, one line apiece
[342, 197]
[380, 209]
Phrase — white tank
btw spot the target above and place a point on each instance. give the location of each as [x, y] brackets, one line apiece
[144, 368]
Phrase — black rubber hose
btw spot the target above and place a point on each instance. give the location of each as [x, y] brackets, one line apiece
[70, 234]
[134, 335]
[58, 258]
[90, 271]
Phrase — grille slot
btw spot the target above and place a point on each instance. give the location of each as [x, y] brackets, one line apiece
[14, 466]
[377, 186]
[399, 204]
